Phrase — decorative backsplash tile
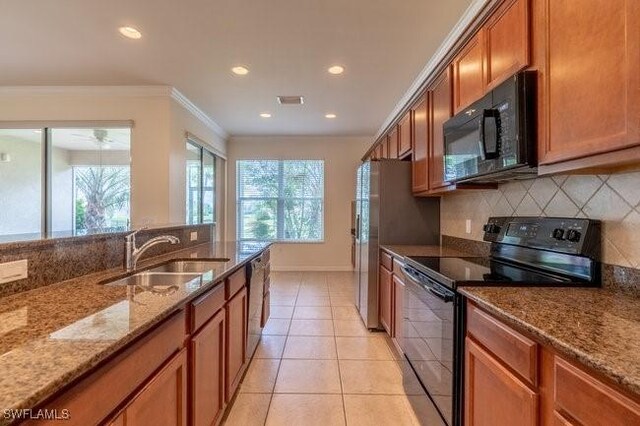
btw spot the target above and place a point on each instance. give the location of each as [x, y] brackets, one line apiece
[614, 199]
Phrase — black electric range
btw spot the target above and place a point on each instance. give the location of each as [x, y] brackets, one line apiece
[525, 251]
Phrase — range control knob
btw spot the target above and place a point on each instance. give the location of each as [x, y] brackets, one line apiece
[491, 228]
[573, 236]
[558, 234]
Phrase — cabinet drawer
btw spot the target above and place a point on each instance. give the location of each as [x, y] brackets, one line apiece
[206, 306]
[397, 268]
[386, 260]
[515, 350]
[236, 281]
[590, 401]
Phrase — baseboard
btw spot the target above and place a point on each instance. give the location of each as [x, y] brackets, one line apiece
[312, 268]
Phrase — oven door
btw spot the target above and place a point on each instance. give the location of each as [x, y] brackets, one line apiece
[429, 328]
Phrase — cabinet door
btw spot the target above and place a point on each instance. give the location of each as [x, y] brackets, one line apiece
[236, 341]
[404, 135]
[266, 309]
[468, 77]
[507, 42]
[590, 80]
[493, 395]
[440, 111]
[383, 149]
[392, 143]
[207, 357]
[163, 401]
[384, 298]
[398, 309]
[419, 161]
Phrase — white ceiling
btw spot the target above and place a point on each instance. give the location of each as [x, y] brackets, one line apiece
[192, 44]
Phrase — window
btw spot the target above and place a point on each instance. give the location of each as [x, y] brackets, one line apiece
[280, 200]
[57, 181]
[201, 179]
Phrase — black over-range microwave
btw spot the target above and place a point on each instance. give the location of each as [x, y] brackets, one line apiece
[494, 139]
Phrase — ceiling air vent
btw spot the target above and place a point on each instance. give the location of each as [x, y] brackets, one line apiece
[290, 100]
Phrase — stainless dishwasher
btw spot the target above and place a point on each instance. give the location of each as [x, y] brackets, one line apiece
[256, 292]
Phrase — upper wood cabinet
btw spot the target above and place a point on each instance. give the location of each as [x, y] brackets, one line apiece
[420, 129]
[392, 143]
[468, 74]
[404, 136]
[506, 40]
[440, 111]
[589, 78]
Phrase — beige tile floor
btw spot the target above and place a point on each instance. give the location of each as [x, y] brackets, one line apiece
[318, 365]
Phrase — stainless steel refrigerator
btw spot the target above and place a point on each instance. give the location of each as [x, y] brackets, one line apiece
[387, 213]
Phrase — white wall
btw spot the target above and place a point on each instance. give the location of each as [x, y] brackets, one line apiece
[157, 138]
[342, 157]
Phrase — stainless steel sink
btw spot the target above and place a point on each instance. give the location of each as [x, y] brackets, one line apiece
[190, 266]
[157, 280]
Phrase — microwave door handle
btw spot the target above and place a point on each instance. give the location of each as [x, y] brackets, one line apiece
[494, 115]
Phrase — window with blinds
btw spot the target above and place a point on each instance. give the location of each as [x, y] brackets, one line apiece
[280, 200]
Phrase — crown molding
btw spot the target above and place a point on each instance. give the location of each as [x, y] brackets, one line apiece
[458, 30]
[133, 91]
[177, 96]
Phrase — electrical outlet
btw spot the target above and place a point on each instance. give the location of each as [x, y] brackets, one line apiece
[468, 226]
[14, 271]
[194, 236]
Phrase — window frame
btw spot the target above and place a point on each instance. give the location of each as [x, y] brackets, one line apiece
[279, 200]
[201, 152]
[46, 163]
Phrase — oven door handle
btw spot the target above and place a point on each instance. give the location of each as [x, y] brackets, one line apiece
[442, 295]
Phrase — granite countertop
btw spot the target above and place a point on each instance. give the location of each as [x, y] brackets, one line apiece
[426, 250]
[51, 335]
[597, 327]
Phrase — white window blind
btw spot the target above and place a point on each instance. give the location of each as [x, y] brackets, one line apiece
[280, 200]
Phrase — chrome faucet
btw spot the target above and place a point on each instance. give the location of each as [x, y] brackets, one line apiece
[132, 253]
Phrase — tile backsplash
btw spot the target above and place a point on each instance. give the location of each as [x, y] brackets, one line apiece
[613, 199]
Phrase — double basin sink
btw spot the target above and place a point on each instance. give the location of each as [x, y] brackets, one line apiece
[169, 275]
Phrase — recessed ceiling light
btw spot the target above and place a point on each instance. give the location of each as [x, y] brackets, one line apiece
[240, 70]
[330, 115]
[130, 32]
[336, 70]
[265, 115]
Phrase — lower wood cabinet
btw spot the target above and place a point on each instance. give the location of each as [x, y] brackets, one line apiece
[384, 299]
[266, 309]
[208, 362]
[493, 395]
[236, 341]
[512, 380]
[163, 402]
[398, 309]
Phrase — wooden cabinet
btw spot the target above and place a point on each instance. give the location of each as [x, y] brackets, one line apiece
[493, 395]
[589, 75]
[164, 400]
[468, 73]
[440, 111]
[392, 143]
[207, 358]
[419, 161]
[507, 41]
[511, 379]
[266, 309]
[404, 136]
[236, 341]
[384, 299]
[587, 401]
